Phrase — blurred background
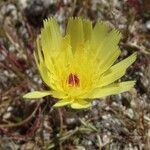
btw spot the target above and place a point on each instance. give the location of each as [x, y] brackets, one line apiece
[120, 122]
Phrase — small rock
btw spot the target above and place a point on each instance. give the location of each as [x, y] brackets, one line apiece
[29, 146]
[9, 108]
[80, 148]
[7, 115]
[129, 112]
[147, 24]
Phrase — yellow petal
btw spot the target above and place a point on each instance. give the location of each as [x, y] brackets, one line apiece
[126, 62]
[63, 102]
[87, 29]
[39, 51]
[39, 59]
[47, 76]
[46, 67]
[111, 89]
[65, 57]
[36, 94]
[80, 104]
[58, 94]
[66, 51]
[75, 31]
[50, 37]
[108, 50]
[99, 33]
[107, 60]
[116, 71]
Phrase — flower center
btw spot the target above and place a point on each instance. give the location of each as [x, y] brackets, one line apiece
[73, 80]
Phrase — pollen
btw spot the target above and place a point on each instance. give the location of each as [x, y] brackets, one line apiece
[73, 80]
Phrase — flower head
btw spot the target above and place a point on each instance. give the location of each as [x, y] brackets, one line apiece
[80, 66]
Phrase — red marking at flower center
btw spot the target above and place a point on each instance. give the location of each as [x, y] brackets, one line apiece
[73, 80]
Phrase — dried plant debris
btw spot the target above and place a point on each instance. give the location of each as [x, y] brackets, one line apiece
[117, 122]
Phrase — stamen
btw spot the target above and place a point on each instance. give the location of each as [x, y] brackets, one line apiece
[73, 80]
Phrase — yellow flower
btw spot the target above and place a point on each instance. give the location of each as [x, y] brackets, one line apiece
[80, 66]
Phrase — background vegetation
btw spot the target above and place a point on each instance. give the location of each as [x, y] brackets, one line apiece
[117, 123]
